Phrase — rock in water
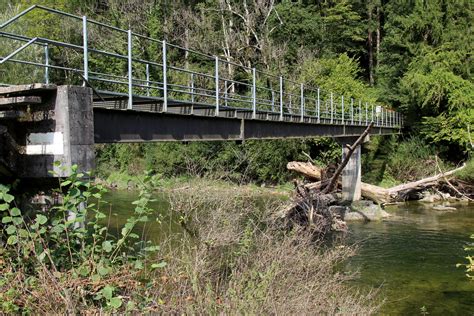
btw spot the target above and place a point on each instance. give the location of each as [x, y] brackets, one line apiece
[444, 208]
[365, 211]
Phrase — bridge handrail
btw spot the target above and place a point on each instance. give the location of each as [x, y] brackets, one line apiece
[278, 97]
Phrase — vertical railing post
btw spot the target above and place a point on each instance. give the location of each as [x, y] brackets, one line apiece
[352, 111]
[382, 123]
[225, 92]
[290, 107]
[46, 62]
[332, 110]
[86, 50]
[342, 109]
[281, 98]
[360, 112]
[301, 102]
[254, 93]
[366, 114]
[382, 117]
[165, 78]
[319, 107]
[147, 70]
[216, 61]
[373, 113]
[192, 89]
[130, 70]
[390, 116]
[273, 100]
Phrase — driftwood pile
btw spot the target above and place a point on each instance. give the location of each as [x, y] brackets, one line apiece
[317, 205]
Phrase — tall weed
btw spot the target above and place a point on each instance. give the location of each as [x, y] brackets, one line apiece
[68, 256]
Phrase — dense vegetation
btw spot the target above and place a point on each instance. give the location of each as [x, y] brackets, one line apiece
[413, 56]
[229, 257]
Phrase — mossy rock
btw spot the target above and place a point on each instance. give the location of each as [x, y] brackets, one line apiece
[365, 211]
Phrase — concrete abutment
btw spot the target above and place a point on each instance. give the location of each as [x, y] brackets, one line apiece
[51, 132]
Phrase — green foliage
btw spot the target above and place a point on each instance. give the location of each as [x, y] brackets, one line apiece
[258, 161]
[339, 75]
[435, 89]
[467, 174]
[426, 67]
[420, 155]
[72, 242]
[385, 160]
[470, 261]
[451, 129]
[301, 23]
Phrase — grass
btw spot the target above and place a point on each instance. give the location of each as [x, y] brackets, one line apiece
[237, 260]
[467, 174]
[234, 258]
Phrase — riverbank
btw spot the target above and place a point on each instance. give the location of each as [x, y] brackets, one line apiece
[229, 258]
[123, 181]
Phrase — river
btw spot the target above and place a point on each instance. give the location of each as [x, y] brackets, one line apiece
[411, 258]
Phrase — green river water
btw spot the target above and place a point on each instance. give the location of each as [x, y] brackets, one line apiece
[411, 258]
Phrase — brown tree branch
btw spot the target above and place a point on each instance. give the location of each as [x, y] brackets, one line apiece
[343, 164]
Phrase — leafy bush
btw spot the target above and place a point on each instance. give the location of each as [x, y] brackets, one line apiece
[68, 254]
[253, 161]
[470, 261]
[412, 159]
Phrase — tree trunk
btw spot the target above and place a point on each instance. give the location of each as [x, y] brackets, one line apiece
[377, 41]
[369, 191]
[370, 45]
[343, 164]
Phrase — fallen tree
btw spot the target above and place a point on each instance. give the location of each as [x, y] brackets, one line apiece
[369, 191]
[317, 205]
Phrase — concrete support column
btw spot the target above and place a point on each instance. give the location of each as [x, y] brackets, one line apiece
[60, 129]
[75, 119]
[351, 175]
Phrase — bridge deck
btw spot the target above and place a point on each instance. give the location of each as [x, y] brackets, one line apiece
[185, 121]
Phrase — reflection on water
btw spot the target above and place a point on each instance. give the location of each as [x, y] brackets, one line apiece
[412, 257]
[160, 226]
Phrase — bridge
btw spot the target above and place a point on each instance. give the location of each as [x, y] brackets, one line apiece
[143, 90]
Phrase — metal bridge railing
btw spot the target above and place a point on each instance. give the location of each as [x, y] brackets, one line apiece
[177, 75]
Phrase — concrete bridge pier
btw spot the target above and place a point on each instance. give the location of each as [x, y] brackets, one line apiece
[352, 173]
[44, 125]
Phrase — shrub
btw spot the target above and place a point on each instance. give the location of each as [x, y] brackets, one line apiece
[68, 256]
